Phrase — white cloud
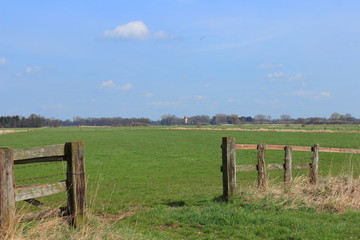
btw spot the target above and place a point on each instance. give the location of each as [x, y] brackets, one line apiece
[302, 93]
[200, 98]
[135, 30]
[3, 61]
[310, 94]
[275, 75]
[149, 95]
[269, 66]
[325, 94]
[296, 77]
[126, 86]
[33, 69]
[111, 84]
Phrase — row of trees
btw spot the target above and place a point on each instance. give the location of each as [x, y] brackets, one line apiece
[39, 121]
[32, 121]
[234, 119]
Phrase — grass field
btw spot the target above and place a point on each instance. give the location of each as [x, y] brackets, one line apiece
[156, 183]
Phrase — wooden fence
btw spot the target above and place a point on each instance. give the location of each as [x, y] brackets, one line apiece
[75, 185]
[229, 167]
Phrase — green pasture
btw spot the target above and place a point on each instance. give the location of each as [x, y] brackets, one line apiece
[174, 176]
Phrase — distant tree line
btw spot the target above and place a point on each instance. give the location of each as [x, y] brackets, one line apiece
[35, 121]
[234, 119]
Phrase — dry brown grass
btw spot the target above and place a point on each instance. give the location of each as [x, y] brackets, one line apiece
[58, 228]
[334, 194]
[337, 194]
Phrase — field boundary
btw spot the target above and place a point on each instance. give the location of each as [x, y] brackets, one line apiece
[229, 167]
[75, 184]
[260, 130]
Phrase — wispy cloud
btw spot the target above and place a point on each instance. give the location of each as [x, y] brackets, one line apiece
[296, 77]
[34, 69]
[235, 101]
[275, 75]
[53, 107]
[108, 84]
[284, 77]
[310, 94]
[112, 85]
[266, 66]
[135, 31]
[200, 98]
[3, 61]
[126, 86]
[231, 45]
[149, 95]
[165, 104]
[325, 94]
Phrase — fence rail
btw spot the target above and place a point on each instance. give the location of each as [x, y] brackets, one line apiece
[75, 185]
[229, 167]
[296, 148]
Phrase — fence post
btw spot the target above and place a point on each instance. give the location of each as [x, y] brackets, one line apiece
[228, 167]
[314, 164]
[7, 193]
[76, 183]
[288, 165]
[261, 166]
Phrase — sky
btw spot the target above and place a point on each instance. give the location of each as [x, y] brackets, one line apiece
[148, 58]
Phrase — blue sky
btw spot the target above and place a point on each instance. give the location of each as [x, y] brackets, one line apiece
[184, 57]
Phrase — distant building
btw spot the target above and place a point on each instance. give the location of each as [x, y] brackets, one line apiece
[186, 120]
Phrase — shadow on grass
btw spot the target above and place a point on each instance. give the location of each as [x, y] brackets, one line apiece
[176, 204]
[219, 199]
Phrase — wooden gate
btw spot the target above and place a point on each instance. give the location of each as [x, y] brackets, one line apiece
[75, 185]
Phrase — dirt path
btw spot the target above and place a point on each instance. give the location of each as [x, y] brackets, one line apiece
[2, 132]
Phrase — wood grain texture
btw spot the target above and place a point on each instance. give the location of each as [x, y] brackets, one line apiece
[228, 167]
[262, 185]
[314, 164]
[76, 183]
[39, 190]
[39, 152]
[7, 193]
[288, 165]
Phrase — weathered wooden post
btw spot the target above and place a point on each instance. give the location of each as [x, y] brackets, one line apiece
[314, 164]
[288, 165]
[76, 183]
[228, 167]
[261, 166]
[7, 193]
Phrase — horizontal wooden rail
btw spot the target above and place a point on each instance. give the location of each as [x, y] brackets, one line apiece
[246, 168]
[271, 147]
[39, 190]
[40, 160]
[39, 152]
[49, 213]
[338, 150]
[297, 148]
[246, 146]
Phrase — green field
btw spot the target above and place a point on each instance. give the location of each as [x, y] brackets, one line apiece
[170, 180]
